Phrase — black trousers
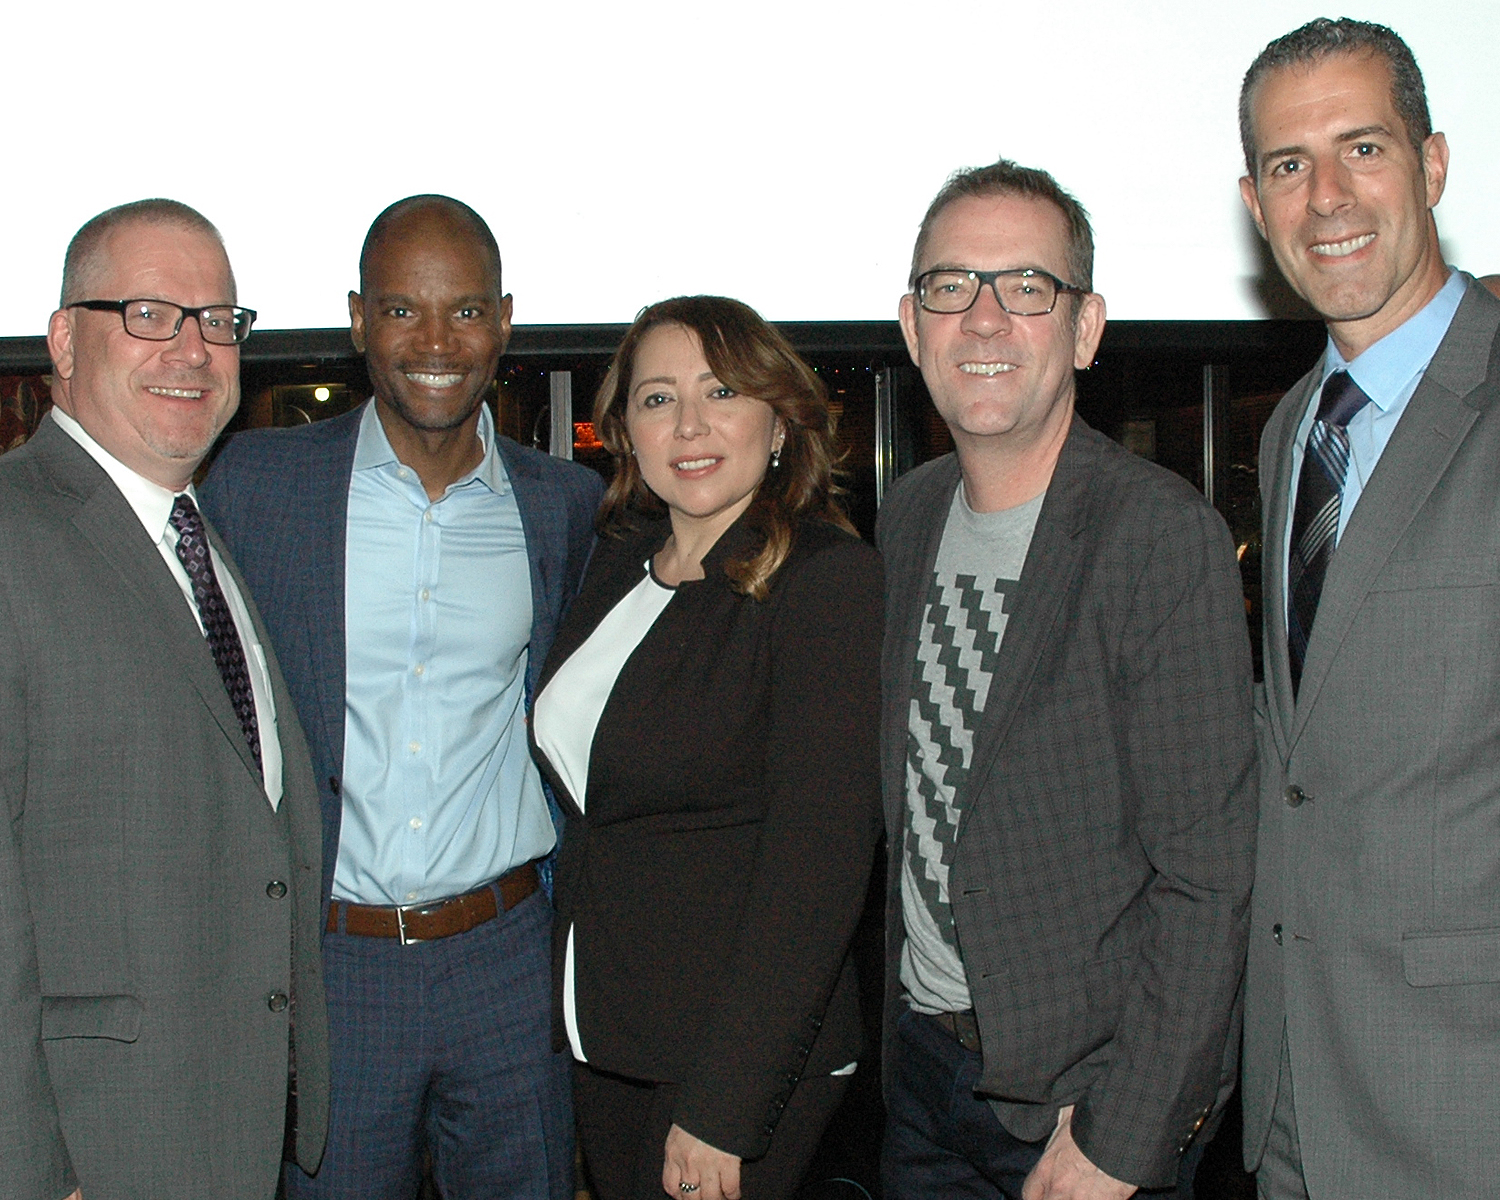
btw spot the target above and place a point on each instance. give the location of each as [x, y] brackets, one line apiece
[623, 1125]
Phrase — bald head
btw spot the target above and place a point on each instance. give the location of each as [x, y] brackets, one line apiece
[442, 215]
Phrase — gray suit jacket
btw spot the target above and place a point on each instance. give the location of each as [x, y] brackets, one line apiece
[142, 931]
[1376, 932]
[1101, 876]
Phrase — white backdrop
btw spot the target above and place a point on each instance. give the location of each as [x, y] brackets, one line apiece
[626, 152]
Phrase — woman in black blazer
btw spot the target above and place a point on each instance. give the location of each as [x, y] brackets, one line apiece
[709, 718]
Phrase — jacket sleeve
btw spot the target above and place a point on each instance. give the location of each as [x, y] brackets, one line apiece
[37, 1166]
[1186, 736]
[821, 779]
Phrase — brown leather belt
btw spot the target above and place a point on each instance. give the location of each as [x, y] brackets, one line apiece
[438, 919]
[962, 1027]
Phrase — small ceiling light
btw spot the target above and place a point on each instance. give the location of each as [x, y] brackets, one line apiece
[321, 393]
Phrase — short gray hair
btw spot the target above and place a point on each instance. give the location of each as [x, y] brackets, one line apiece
[82, 260]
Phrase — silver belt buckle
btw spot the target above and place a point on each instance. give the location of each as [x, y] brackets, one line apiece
[401, 925]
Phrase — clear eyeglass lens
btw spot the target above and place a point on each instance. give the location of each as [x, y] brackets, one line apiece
[949, 291]
[155, 320]
[224, 324]
[1026, 295]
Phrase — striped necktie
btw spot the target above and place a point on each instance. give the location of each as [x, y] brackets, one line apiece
[1315, 519]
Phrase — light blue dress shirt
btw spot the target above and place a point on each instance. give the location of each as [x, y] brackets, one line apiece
[1388, 372]
[440, 794]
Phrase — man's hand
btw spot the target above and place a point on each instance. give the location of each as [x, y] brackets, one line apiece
[689, 1160]
[1063, 1173]
[78, 1195]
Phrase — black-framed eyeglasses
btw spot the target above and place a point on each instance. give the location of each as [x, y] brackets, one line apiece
[161, 320]
[1022, 292]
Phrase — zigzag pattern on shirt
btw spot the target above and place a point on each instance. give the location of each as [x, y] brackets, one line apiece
[956, 656]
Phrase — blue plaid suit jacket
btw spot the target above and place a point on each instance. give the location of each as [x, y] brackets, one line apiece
[280, 498]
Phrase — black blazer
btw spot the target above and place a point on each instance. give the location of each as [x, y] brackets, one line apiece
[733, 807]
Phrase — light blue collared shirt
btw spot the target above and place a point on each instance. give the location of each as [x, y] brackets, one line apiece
[440, 794]
[1388, 372]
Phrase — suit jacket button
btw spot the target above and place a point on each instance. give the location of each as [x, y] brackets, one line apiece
[1295, 796]
[276, 1001]
[333, 784]
[1276, 932]
[276, 889]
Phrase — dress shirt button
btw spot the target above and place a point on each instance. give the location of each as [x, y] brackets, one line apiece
[1276, 932]
[1295, 796]
[414, 747]
[411, 895]
[425, 594]
[427, 517]
[403, 473]
[276, 889]
[276, 1002]
[419, 669]
[416, 822]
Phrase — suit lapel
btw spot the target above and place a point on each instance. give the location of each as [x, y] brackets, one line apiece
[1280, 432]
[109, 524]
[1052, 562]
[910, 548]
[1424, 442]
[546, 544]
[322, 546]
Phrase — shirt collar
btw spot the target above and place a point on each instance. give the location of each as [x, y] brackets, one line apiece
[151, 503]
[1385, 370]
[373, 449]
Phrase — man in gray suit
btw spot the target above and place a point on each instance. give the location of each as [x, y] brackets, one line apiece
[162, 1029]
[1068, 755]
[1372, 1036]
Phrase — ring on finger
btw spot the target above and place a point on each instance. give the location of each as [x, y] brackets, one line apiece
[687, 1189]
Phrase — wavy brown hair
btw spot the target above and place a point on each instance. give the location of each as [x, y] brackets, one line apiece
[749, 355]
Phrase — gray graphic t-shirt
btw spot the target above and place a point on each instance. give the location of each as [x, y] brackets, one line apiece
[969, 599]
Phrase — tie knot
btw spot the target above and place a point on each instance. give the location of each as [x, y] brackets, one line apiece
[185, 517]
[1341, 399]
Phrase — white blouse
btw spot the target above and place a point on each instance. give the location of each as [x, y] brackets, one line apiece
[567, 715]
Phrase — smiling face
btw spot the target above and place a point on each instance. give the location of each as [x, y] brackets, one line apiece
[702, 448]
[995, 377]
[155, 406]
[431, 322]
[1343, 198]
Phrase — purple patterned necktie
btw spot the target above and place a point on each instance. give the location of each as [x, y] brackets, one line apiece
[218, 622]
[1315, 519]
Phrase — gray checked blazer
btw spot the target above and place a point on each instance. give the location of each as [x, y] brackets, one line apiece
[1102, 868]
[1376, 934]
[155, 913]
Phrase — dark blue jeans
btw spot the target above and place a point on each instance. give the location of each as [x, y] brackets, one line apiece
[943, 1140]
